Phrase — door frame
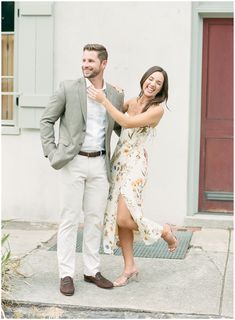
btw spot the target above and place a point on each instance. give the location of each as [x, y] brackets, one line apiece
[200, 10]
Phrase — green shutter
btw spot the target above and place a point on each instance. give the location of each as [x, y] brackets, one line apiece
[35, 72]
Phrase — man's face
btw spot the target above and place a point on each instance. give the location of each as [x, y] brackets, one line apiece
[91, 64]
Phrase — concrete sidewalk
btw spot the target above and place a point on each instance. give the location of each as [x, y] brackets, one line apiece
[199, 286]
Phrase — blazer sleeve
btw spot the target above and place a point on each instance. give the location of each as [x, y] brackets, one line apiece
[52, 113]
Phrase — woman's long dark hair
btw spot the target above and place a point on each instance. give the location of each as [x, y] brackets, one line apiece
[162, 95]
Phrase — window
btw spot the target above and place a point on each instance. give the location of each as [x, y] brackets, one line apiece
[27, 63]
[8, 92]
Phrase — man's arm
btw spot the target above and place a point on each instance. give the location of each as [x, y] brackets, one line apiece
[52, 113]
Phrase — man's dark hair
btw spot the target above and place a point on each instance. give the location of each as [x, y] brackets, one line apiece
[101, 50]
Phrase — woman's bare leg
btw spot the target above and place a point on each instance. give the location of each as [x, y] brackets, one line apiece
[126, 225]
[170, 239]
[124, 218]
[126, 241]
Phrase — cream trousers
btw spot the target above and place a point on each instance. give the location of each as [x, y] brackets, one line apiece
[84, 187]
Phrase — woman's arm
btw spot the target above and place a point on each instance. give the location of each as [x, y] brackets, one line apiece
[149, 118]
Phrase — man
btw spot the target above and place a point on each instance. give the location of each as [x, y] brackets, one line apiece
[83, 157]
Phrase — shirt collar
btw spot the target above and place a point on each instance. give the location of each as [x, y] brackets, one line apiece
[88, 84]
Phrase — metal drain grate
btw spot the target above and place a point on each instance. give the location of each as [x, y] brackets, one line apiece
[156, 250]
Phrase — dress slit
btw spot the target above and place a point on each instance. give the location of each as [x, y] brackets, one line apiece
[127, 203]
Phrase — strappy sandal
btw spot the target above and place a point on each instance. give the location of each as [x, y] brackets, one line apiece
[125, 278]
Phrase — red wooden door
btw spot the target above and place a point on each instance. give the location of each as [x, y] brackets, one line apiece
[216, 150]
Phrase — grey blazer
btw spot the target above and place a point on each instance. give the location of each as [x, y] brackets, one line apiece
[69, 104]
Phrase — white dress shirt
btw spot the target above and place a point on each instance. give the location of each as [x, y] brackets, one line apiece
[95, 125]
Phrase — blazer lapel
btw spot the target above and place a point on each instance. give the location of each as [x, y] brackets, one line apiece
[83, 97]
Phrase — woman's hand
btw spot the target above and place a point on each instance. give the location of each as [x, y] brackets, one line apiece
[119, 89]
[95, 94]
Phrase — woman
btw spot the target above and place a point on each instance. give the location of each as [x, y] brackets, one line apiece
[129, 171]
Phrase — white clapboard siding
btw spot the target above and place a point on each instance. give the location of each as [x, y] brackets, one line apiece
[35, 60]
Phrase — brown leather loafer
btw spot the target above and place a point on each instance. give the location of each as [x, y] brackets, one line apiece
[99, 280]
[66, 286]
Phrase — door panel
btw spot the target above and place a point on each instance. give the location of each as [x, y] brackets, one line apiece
[216, 153]
[215, 161]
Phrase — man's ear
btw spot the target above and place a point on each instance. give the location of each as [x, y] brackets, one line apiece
[104, 63]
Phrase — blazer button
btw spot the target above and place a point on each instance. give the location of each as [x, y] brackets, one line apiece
[84, 130]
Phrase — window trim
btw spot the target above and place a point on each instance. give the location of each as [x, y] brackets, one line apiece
[16, 95]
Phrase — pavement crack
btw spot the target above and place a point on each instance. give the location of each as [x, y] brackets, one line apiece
[214, 263]
[224, 275]
[195, 247]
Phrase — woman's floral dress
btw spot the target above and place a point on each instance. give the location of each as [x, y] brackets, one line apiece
[129, 174]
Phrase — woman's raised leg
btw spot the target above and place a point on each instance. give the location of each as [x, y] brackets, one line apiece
[170, 239]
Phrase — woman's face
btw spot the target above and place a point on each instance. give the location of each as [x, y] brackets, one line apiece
[153, 84]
